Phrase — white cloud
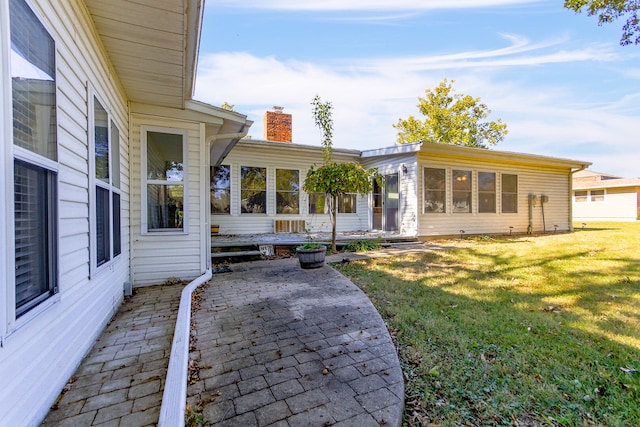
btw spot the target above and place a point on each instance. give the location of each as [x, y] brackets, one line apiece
[369, 96]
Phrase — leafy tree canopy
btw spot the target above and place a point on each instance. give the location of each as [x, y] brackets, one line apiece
[451, 118]
[611, 10]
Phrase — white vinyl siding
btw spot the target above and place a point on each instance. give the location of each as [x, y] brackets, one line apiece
[273, 156]
[58, 334]
[159, 255]
[405, 165]
[552, 182]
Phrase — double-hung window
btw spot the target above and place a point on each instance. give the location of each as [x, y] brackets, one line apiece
[486, 192]
[220, 189]
[253, 189]
[347, 203]
[461, 194]
[35, 163]
[318, 203]
[287, 191]
[106, 155]
[509, 193]
[164, 181]
[434, 190]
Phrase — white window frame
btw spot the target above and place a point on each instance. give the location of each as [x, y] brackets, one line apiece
[495, 191]
[10, 152]
[517, 193]
[603, 195]
[447, 180]
[266, 190]
[94, 268]
[145, 182]
[228, 165]
[276, 191]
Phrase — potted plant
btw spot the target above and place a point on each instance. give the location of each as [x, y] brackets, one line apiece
[311, 255]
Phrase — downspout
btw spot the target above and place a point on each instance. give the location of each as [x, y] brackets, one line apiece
[581, 168]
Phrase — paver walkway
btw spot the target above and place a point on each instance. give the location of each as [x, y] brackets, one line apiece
[281, 346]
[120, 382]
[276, 345]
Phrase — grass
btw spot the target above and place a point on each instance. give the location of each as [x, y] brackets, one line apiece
[527, 331]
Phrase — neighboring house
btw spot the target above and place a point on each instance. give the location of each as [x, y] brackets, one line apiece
[430, 190]
[104, 176]
[601, 197]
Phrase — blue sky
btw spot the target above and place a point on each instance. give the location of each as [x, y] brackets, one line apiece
[562, 83]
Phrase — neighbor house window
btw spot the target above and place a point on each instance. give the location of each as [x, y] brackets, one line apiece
[597, 195]
[35, 167]
[221, 189]
[106, 146]
[509, 193]
[461, 194]
[434, 190]
[318, 203]
[347, 203]
[165, 180]
[253, 189]
[581, 196]
[287, 191]
[486, 192]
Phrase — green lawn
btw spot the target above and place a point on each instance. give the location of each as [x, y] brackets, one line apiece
[527, 331]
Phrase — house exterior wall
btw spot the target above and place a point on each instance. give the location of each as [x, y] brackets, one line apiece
[273, 155]
[159, 255]
[407, 185]
[538, 180]
[619, 204]
[42, 348]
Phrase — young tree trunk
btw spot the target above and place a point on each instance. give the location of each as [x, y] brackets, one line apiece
[334, 217]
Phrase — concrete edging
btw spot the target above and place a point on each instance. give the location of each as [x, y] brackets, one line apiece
[174, 397]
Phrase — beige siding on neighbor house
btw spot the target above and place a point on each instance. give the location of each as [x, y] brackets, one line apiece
[157, 256]
[538, 180]
[619, 204]
[45, 346]
[274, 155]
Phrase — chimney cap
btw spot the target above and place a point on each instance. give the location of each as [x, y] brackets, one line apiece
[278, 109]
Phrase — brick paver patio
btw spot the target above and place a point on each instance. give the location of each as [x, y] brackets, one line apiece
[120, 382]
[276, 346]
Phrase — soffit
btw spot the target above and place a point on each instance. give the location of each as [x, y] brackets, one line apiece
[152, 45]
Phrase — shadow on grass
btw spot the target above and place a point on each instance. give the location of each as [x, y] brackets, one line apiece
[492, 339]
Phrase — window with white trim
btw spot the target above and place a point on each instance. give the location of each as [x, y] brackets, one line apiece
[106, 165]
[221, 189]
[318, 203]
[347, 203]
[164, 182]
[461, 183]
[509, 195]
[581, 196]
[35, 167]
[486, 192]
[434, 190]
[287, 191]
[253, 189]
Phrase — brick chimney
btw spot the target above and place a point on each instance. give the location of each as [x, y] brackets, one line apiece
[277, 125]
